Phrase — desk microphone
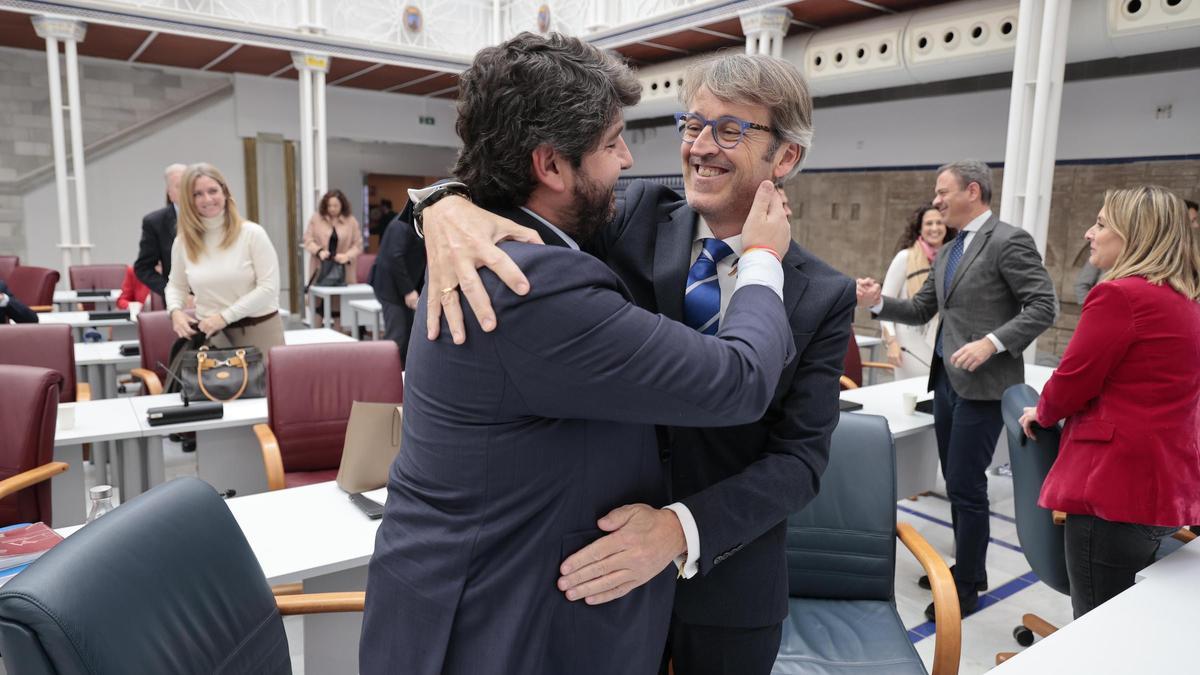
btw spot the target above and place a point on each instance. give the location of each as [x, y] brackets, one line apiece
[908, 351]
[183, 391]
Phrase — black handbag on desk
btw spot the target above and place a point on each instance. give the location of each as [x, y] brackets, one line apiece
[220, 375]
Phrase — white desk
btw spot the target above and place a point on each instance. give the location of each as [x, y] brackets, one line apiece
[364, 311]
[95, 422]
[313, 336]
[916, 444]
[78, 321]
[100, 362]
[327, 293]
[69, 299]
[1146, 629]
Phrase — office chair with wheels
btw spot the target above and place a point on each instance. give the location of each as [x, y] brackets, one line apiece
[165, 583]
[841, 553]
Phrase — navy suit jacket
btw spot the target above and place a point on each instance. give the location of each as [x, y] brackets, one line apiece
[15, 310]
[400, 267]
[517, 442]
[740, 482]
[158, 235]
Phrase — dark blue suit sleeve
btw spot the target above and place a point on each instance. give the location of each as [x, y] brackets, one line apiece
[577, 348]
[148, 256]
[15, 310]
[786, 477]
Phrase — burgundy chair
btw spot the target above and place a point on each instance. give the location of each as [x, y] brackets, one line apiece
[310, 390]
[852, 366]
[45, 346]
[29, 399]
[362, 270]
[88, 277]
[34, 286]
[155, 338]
[8, 263]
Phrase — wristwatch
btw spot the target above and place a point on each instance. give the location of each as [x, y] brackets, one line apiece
[426, 197]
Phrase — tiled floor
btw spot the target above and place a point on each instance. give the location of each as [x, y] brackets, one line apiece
[986, 632]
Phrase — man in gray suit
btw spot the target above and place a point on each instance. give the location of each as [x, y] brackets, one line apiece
[994, 298]
[516, 443]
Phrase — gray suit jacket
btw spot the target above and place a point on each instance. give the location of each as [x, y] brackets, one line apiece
[518, 441]
[1000, 287]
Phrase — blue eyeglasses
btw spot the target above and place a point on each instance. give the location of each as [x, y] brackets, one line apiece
[727, 131]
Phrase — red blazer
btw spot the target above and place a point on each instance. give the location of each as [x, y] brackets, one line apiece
[1129, 386]
[132, 290]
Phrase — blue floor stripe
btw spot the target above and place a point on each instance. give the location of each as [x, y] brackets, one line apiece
[922, 631]
[1001, 516]
[939, 521]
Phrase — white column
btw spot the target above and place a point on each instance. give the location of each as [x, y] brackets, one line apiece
[75, 105]
[314, 169]
[52, 30]
[765, 29]
[320, 145]
[1020, 111]
[1047, 103]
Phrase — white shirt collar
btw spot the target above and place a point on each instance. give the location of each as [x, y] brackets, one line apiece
[704, 232]
[565, 237]
[978, 222]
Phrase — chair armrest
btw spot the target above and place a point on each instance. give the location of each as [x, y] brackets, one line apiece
[83, 391]
[272, 460]
[847, 383]
[150, 382]
[1183, 534]
[42, 308]
[877, 364]
[1059, 517]
[321, 603]
[31, 477]
[288, 589]
[947, 648]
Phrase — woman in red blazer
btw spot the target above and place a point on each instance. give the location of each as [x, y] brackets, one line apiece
[1128, 468]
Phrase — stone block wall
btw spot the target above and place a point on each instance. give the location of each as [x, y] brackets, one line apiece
[853, 220]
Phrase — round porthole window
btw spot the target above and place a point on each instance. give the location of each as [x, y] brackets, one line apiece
[950, 39]
[1134, 9]
[839, 58]
[1175, 6]
[1008, 28]
[923, 43]
[979, 33]
[861, 54]
[884, 48]
[819, 61]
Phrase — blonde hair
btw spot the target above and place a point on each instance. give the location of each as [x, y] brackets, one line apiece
[191, 227]
[1159, 244]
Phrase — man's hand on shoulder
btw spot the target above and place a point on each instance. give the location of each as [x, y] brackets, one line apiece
[642, 542]
[460, 238]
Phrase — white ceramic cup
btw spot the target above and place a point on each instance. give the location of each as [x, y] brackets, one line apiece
[909, 403]
[66, 417]
[134, 308]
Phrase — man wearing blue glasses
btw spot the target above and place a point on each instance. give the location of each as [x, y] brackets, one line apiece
[748, 119]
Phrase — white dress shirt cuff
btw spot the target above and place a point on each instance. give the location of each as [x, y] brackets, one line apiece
[762, 268]
[876, 308]
[687, 563]
[996, 342]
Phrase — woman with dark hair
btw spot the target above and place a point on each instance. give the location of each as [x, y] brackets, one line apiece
[1128, 386]
[923, 237]
[333, 216]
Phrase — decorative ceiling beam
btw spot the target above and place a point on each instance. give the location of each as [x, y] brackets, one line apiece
[142, 47]
[405, 85]
[224, 55]
[355, 74]
[281, 71]
[719, 34]
[871, 5]
[439, 92]
[666, 48]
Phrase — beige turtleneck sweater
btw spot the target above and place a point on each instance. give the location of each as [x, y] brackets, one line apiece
[237, 282]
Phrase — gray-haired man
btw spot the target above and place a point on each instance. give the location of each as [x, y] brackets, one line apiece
[993, 295]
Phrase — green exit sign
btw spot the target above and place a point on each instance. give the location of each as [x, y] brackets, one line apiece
[427, 120]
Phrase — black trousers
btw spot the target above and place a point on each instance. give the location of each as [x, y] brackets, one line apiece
[719, 650]
[1103, 557]
[967, 432]
[397, 326]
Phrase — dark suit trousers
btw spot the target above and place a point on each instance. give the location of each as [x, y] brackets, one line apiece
[397, 326]
[721, 650]
[967, 432]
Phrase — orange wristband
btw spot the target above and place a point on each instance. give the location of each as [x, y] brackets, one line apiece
[768, 249]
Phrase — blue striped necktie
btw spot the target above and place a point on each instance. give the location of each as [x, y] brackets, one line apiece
[956, 254]
[702, 297]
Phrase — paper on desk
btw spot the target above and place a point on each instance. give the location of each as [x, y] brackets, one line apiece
[378, 496]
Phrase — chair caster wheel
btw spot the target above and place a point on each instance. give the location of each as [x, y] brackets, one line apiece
[1023, 636]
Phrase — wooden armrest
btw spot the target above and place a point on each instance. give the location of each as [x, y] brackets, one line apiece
[847, 383]
[947, 647]
[272, 460]
[83, 391]
[42, 308]
[31, 477]
[287, 589]
[150, 382]
[877, 364]
[1060, 518]
[321, 603]
[1183, 534]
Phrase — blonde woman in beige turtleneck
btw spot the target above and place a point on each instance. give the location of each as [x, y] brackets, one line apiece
[228, 263]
